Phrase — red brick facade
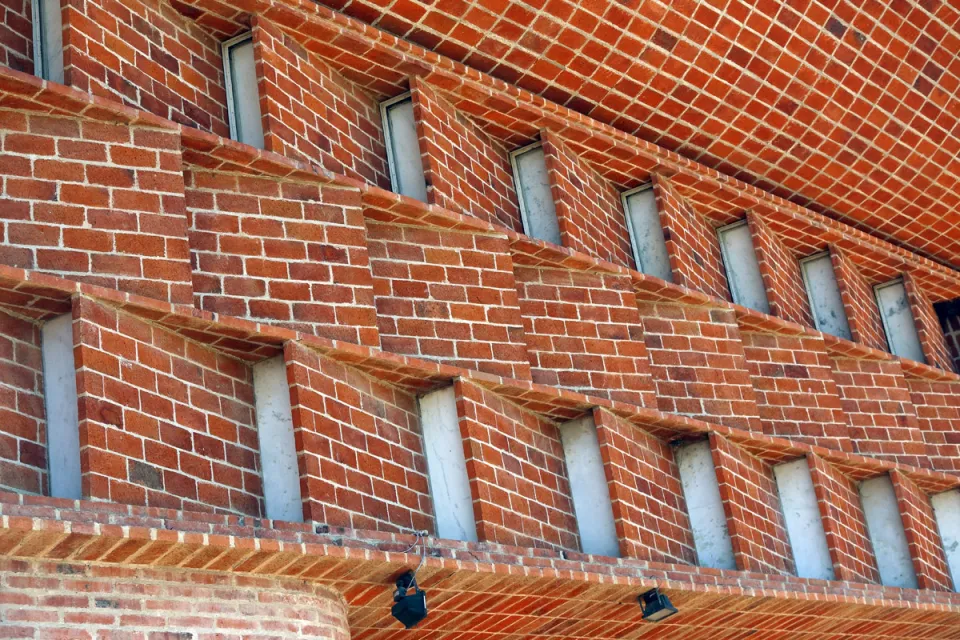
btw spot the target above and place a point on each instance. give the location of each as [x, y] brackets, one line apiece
[187, 259]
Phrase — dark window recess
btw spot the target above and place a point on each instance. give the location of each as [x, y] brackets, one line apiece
[949, 314]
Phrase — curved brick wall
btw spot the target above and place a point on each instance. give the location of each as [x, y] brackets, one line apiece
[61, 600]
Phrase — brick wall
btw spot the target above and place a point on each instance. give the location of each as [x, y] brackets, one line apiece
[521, 495]
[796, 394]
[466, 170]
[589, 210]
[692, 243]
[96, 202]
[859, 302]
[697, 363]
[164, 422]
[82, 600]
[937, 405]
[23, 440]
[359, 447]
[448, 296]
[145, 54]
[311, 112]
[781, 274]
[923, 536]
[583, 332]
[876, 401]
[752, 506]
[648, 504]
[282, 252]
[844, 523]
[931, 336]
[16, 35]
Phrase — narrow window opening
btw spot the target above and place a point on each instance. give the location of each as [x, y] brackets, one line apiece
[801, 513]
[946, 510]
[823, 292]
[646, 232]
[701, 491]
[278, 450]
[886, 533]
[403, 148]
[898, 322]
[48, 40]
[588, 488]
[447, 466]
[243, 97]
[61, 406]
[537, 209]
[743, 270]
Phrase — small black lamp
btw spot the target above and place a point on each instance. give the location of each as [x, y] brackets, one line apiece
[410, 610]
[656, 605]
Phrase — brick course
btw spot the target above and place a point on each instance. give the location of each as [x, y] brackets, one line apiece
[279, 251]
[23, 438]
[164, 422]
[648, 504]
[16, 35]
[781, 274]
[589, 210]
[359, 447]
[931, 336]
[144, 53]
[583, 332]
[937, 405]
[449, 296]
[313, 113]
[859, 302]
[466, 170]
[96, 202]
[521, 495]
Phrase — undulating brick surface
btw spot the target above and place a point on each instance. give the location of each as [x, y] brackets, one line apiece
[466, 171]
[859, 302]
[283, 252]
[875, 398]
[449, 296]
[781, 274]
[16, 35]
[588, 207]
[931, 336]
[81, 600]
[23, 437]
[164, 421]
[698, 364]
[359, 447]
[752, 506]
[313, 113]
[96, 202]
[518, 479]
[146, 54]
[937, 405]
[844, 523]
[923, 536]
[692, 243]
[648, 504]
[796, 394]
[583, 332]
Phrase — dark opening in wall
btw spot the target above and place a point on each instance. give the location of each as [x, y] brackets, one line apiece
[948, 312]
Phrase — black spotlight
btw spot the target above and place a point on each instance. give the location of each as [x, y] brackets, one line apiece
[656, 605]
[410, 610]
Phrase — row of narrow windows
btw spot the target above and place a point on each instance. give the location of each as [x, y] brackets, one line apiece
[452, 497]
[536, 202]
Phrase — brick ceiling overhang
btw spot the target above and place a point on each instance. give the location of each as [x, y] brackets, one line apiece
[848, 108]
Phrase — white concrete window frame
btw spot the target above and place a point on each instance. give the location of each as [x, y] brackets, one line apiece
[809, 287]
[903, 346]
[232, 86]
[525, 214]
[47, 40]
[393, 159]
[733, 283]
[653, 261]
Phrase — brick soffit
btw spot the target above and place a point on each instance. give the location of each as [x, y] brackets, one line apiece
[850, 109]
